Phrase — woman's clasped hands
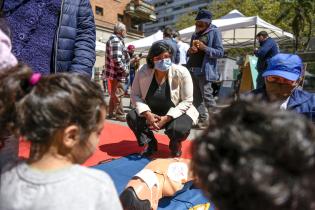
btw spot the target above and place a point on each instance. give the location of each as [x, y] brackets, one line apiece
[156, 122]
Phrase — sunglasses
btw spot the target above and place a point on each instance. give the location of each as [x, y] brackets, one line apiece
[279, 80]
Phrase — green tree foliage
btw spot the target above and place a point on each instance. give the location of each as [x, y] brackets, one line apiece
[266, 9]
[300, 15]
[186, 20]
[295, 16]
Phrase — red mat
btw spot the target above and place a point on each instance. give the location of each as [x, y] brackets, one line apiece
[117, 141]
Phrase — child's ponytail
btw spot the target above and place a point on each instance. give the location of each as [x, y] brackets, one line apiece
[14, 85]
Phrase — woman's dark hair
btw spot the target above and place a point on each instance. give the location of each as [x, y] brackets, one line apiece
[55, 102]
[130, 201]
[254, 156]
[156, 49]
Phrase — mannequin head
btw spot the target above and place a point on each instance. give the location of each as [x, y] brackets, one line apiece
[130, 200]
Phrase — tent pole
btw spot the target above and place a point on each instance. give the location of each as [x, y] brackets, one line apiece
[234, 37]
[255, 36]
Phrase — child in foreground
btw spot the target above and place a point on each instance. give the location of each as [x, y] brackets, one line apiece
[254, 156]
[62, 115]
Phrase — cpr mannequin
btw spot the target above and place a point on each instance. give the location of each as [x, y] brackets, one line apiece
[160, 178]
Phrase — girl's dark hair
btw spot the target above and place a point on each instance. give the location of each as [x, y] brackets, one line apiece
[130, 201]
[55, 102]
[156, 49]
[254, 156]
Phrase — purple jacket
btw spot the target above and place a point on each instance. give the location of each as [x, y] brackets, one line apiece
[70, 47]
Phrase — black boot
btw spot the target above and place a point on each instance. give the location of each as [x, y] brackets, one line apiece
[150, 148]
[176, 148]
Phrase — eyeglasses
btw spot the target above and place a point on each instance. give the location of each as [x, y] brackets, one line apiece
[161, 57]
[279, 80]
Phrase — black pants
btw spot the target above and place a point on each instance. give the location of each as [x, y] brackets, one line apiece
[260, 82]
[177, 130]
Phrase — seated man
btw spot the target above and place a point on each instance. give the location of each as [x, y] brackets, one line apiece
[254, 156]
[161, 177]
[282, 78]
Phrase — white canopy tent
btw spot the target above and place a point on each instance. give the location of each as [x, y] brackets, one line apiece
[145, 43]
[240, 31]
[100, 48]
[237, 31]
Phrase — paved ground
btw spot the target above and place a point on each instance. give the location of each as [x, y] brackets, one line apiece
[126, 101]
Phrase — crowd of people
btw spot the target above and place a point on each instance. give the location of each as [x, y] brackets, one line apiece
[257, 153]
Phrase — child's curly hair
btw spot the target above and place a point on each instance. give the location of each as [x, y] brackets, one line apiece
[254, 156]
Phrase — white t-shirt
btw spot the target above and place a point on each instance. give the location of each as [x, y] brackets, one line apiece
[284, 105]
[183, 48]
[75, 187]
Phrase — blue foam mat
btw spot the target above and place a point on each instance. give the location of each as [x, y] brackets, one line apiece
[123, 169]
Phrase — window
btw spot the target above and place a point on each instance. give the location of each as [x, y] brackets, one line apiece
[99, 11]
[120, 18]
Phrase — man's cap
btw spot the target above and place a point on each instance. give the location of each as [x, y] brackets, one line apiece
[204, 15]
[288, 66]
[131, 47]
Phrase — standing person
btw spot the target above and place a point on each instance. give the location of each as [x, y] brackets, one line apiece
[205, 48]
[53, 36]
[49, 111]
[117, 70]
[134, 65]
[162, 94]
[168, 38]
[183, 48]
[268, 48]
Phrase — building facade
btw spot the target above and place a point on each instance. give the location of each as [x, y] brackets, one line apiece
[168, 11]
[133, 13]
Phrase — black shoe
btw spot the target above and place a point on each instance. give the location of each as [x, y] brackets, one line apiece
[110, 116]
[150, 149]
[176, 148]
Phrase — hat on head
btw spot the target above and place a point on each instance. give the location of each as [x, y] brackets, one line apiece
[288, 66]
[131, 47]
[204, 15]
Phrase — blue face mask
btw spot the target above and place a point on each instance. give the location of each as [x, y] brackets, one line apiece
[163, 65]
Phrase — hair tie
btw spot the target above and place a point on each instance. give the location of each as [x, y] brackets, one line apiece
[34, 79]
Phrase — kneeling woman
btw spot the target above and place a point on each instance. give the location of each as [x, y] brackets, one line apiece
[162, 94]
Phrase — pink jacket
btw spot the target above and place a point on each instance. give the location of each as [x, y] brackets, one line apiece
[7, 59]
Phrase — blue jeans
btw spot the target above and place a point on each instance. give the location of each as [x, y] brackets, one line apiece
[130, 80]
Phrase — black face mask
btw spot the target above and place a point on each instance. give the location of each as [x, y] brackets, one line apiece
[130, 54]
